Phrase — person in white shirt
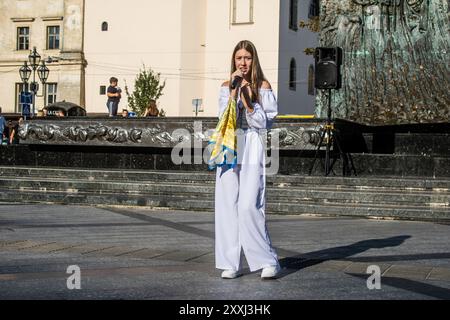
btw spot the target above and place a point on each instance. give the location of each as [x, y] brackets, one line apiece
[240, 190]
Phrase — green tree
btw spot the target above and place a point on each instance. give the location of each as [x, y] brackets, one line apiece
[147, 86]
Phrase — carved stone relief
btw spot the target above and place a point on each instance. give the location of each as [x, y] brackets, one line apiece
[163, 134]
[396, 66]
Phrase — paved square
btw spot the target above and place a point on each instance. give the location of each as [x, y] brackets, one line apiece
[139, 253]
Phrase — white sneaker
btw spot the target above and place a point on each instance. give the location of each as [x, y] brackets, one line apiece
[230, 274]
[270, 272]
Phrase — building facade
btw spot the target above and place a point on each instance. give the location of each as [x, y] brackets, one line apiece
[55, 28]
[189, 42]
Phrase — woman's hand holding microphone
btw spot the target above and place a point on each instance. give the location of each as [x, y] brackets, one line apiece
[239, 82]
[236, 82]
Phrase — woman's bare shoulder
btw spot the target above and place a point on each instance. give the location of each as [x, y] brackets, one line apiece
[226, 84]
[266, 85]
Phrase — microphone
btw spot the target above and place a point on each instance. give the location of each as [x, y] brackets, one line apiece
[236, 82]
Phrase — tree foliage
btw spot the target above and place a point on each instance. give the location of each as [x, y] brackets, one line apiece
[147, 86]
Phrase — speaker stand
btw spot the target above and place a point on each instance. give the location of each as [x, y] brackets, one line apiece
[331, 137]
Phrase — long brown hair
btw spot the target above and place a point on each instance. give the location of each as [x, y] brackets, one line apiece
[257, 76]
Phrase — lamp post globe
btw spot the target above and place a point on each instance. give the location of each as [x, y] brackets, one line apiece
[34, 58]
[25, 72]
[43, 72]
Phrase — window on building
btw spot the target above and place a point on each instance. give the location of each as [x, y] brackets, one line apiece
[20, 87]
[53, 38]
[314, 9]
[293, 75]
[23, 38]
[311, 79]
[293, 14]
[105, 26]
[102, 90]
[52, 90]
[242, 11]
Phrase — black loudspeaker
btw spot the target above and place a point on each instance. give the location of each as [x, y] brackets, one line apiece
[328, 63]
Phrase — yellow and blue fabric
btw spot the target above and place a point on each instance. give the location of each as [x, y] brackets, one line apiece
[224, 140]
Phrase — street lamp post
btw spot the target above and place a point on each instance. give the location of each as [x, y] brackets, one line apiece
[25, 72]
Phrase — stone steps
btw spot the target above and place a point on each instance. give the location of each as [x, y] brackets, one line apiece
[275, 192]
[184, 203]
[208, 177]
[400, 198]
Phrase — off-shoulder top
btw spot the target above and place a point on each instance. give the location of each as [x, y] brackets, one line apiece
[264, 111]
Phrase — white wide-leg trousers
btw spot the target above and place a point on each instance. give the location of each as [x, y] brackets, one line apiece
[240, 211]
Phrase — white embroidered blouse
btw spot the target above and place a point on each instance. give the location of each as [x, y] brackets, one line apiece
[264, 111]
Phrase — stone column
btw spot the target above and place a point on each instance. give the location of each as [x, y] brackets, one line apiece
[73, 63]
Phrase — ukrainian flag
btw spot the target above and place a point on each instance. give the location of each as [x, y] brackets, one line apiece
[224, 141]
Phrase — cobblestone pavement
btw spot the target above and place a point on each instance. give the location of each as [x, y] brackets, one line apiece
[139, 253]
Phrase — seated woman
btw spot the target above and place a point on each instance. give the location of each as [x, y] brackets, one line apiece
[152, 110]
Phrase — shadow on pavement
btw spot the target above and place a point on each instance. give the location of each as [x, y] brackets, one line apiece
[411, 285]
[302, 261]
